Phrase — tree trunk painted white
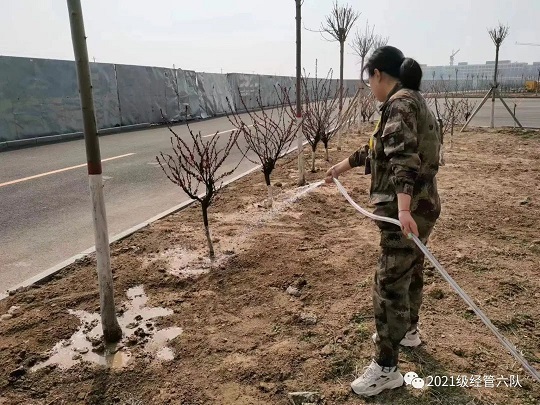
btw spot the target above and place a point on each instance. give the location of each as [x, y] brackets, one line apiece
[441, 156]
[270, 196]
[300, 139]
[313, 161]
[300, 147]
[338, 135]
[341, 58]
[111, 329]
[492, 124]
[495, 84]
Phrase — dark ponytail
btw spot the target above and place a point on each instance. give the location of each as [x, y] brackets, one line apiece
[391, 60]
[410, 74]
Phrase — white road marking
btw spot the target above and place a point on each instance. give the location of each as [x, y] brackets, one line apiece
[223, 132]
[59, 171]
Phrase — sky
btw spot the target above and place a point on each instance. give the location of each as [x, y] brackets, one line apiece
[259, 36]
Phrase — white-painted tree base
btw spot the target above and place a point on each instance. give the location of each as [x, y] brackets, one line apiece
[111, 329]
[270, 196]
[300, 150]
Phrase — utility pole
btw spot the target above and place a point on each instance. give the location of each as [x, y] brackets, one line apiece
[300, 138]
[111, 329]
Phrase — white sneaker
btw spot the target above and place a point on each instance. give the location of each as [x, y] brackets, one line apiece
[377, 379]
[411, 339]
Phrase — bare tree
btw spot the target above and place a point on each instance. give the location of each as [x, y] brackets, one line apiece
[198, 164]
[467, 108]
[450, 111]
[368, 106]
[432, 98]
[338, 25]
[320, 112]
[112, 332]
[498, 35]
[379, 41]
[343, 120]
[269, 134]
[363, 44]
[300, 144]
[432, 91]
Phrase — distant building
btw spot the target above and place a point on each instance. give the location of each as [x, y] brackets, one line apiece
[469, 76]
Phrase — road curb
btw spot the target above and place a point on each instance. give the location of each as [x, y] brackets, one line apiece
[48, 139]
[48, 274]
[71, 136]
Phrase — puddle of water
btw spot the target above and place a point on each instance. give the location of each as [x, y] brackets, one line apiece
[67, 353]
[165, 354]
[137, 319]
[137, 313]
[181, 262]
[157, 344]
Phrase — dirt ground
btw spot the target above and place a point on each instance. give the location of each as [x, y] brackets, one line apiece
[246, 340]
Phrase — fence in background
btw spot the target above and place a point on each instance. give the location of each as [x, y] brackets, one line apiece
[39, 97]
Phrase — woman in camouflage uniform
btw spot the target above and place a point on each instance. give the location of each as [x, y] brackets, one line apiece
[403, 161]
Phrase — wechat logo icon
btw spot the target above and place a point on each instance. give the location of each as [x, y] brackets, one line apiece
[411, 378]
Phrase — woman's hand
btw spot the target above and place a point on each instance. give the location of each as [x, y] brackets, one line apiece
[330, 175]
[408, 224]
[336, 170]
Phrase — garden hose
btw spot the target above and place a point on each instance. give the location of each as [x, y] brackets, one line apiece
[505, 342]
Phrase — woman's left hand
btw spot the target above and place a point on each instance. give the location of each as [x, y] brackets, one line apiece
[408, 224]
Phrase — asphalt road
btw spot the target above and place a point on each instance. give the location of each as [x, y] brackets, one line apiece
[527, 112]
[45, 220]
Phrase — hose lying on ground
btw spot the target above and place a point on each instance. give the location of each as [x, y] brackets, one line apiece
[509, 346]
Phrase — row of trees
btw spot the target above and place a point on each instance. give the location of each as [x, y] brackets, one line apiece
[365, 42]
[451, 108]
[199, 167]
[337, 28]
[339, 23]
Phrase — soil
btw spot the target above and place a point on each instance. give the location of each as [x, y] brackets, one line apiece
[245, 339]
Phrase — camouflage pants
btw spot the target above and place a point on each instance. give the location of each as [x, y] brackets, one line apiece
[397, 291]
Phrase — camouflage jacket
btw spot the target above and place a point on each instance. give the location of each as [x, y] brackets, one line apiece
[404, 153]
